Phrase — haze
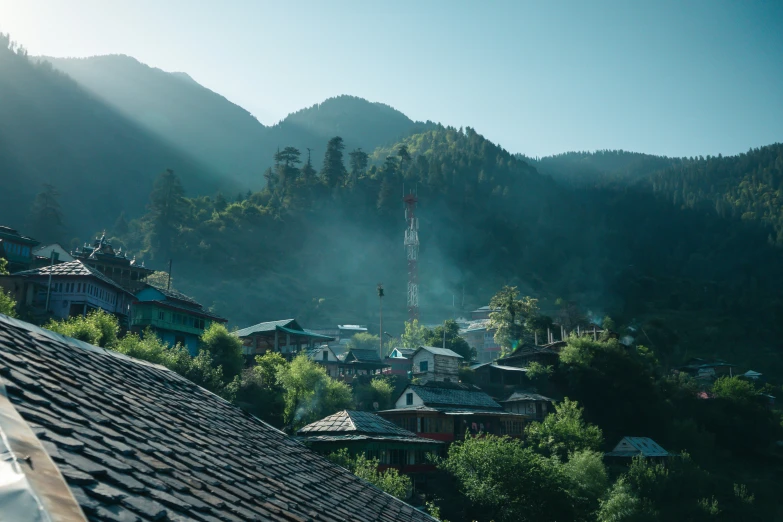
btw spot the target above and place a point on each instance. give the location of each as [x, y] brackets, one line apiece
[539, 78]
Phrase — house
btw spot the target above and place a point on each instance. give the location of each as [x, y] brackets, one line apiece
[174, 317]
[492, 373]
[340, 332]
[399, 361]
[435, 364]
[88, 433]
[285, 337]
[630, 447]
[16, 249]
[75, 289]
[447, 410]
[706, 369]
[362, 432]
[481, 313]
[116, 265]
[361, 362]
[326, 357]
[530, 404]
[481, 337]
[44, 254]
[523, 355]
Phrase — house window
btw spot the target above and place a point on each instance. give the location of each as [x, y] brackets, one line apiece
[409, 399]
[161, 315]
[325, 355]
[423, 366]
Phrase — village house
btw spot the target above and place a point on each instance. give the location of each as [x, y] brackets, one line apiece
[523, 355]
[68, 289]
[362, 432]
[400, 361]
[447, 410]
[494, 374]
[481, 338]
[16, 249]
[360, 362]
[435, 364]
[529, 404]
[706, 369]
[326, 357]
[174, 317]
[116, 265]
[285, 337]
[88, 433]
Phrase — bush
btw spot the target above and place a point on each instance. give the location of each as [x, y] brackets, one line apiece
[97, 327]
[390, 480]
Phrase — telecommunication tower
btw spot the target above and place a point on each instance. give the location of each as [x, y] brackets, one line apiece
[412, 252]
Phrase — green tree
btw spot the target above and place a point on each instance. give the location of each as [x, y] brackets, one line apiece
[7, 303]
[563, 432]
[308, 173]
[358, 162]
[333, 171]
[224, 348]
[374, 395]
[415, 335]
[364, 341]
[404, 155]
[735, 389]
[259, 392]
[46, 216]
[454, 341]
[390, 480]
[509, 315]
[310, 394]
[97, 327]
[166, 210]
[161, 279]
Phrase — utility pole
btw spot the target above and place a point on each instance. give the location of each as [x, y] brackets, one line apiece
[380, 304]
[49, 286]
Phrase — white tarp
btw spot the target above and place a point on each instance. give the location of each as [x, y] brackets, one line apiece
[18, 501]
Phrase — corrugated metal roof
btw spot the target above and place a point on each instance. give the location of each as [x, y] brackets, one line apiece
[269, 326]
[527, 396]
[439, 351]
[632, 446]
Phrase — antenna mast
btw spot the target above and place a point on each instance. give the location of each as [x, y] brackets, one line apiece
[412, 252]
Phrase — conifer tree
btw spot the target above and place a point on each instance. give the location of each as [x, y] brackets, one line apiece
[333, 171]
[46, 217]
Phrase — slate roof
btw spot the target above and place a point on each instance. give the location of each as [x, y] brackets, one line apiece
[178, 296]
[136, 441]
[355, 422]
[498, 366]
[71, 268]
[269, 326]
[453, 394]
[633, 446]
[527, 396]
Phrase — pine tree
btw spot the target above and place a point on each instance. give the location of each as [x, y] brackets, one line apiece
[333, 171]
[46, 217]
[167, 208]
[358, 161]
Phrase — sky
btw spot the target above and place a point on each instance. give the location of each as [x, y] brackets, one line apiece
[677, 78]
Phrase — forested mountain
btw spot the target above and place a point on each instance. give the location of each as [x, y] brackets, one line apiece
[314, 243]
[178, 111]
[53, 131]
[601, 168]
[220, 134]
[746, 187]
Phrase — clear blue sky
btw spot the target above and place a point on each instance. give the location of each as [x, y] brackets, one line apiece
[675, 78]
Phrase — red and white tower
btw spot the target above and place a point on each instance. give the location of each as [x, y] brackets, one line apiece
[412, 251]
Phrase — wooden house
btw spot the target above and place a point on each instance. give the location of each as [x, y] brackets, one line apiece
[529, 404]
[117, 265]
[492, 373]
[630, 447]
[435, 364]
[446, 410]
[400, 361]
[361, 362]
[16, 249]
[326, 357]
[285, 337]
[362, 432]
[174, 317]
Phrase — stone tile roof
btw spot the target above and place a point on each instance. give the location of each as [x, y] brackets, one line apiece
[363, 356]
[354, 422]
[633, 446]
[177, 296]
[453, 395]
[136, 441]
[71, 268]
[527, 396]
